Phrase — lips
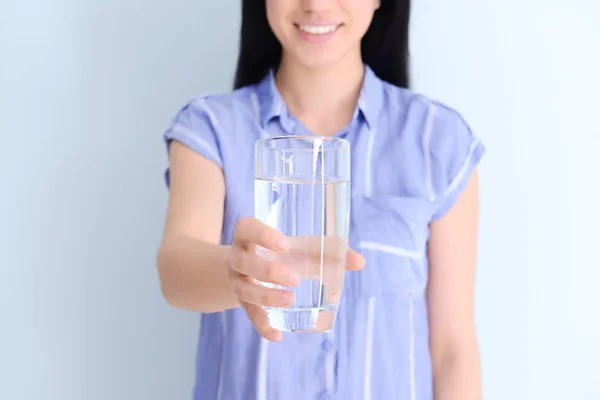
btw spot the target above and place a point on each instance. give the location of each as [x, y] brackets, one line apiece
[318, 29]
[318, 32]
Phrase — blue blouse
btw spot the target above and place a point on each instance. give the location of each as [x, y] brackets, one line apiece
[411, 158]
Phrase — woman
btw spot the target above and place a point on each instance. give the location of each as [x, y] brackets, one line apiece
[405, 328]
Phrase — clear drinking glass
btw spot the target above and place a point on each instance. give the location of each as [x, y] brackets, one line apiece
[302, 189]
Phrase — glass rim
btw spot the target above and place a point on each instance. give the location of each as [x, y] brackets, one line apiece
[332, 139]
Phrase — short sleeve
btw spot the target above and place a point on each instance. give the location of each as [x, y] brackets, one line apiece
[455, 152]
[195, 126]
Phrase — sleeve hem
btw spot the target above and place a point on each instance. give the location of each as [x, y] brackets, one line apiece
[460, 181]
[191, 140]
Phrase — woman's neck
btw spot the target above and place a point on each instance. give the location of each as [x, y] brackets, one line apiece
[323, 99]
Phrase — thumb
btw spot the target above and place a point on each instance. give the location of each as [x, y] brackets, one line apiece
[354, 261]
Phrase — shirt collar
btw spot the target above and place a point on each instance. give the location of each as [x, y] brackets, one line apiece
[271, 104]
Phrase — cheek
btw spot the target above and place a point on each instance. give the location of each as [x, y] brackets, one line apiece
[361, 12]
[275, 16]
[363, 5]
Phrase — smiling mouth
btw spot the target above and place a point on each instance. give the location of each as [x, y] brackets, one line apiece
[318, 29]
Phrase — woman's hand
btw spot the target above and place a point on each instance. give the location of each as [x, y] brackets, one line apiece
[246, 268]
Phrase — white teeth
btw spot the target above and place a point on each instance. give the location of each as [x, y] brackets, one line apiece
[317, 30]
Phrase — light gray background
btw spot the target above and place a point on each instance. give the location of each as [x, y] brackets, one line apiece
[86, 89]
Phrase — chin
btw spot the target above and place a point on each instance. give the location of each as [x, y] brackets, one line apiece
[315, 59]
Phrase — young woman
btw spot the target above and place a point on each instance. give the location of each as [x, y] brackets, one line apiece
[405, 327]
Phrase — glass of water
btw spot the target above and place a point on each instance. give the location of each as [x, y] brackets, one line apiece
[302, 189]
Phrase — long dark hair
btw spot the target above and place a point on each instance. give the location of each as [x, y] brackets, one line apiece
[384, 47]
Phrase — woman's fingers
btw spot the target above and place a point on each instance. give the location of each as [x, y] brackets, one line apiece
[258, 318]
[331, 251]
[354, 261]
[256, 267]
[250, 292]
[251, 232]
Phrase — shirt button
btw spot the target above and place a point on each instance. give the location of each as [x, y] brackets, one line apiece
[326, 345]
[326, 396]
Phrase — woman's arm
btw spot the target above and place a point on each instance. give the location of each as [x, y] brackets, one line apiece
[452, 261]
[192, 265]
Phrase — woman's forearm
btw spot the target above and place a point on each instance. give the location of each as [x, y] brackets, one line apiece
[193, 275]
[458, 377]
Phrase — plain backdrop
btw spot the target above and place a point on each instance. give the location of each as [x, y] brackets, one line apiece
[86, 90]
